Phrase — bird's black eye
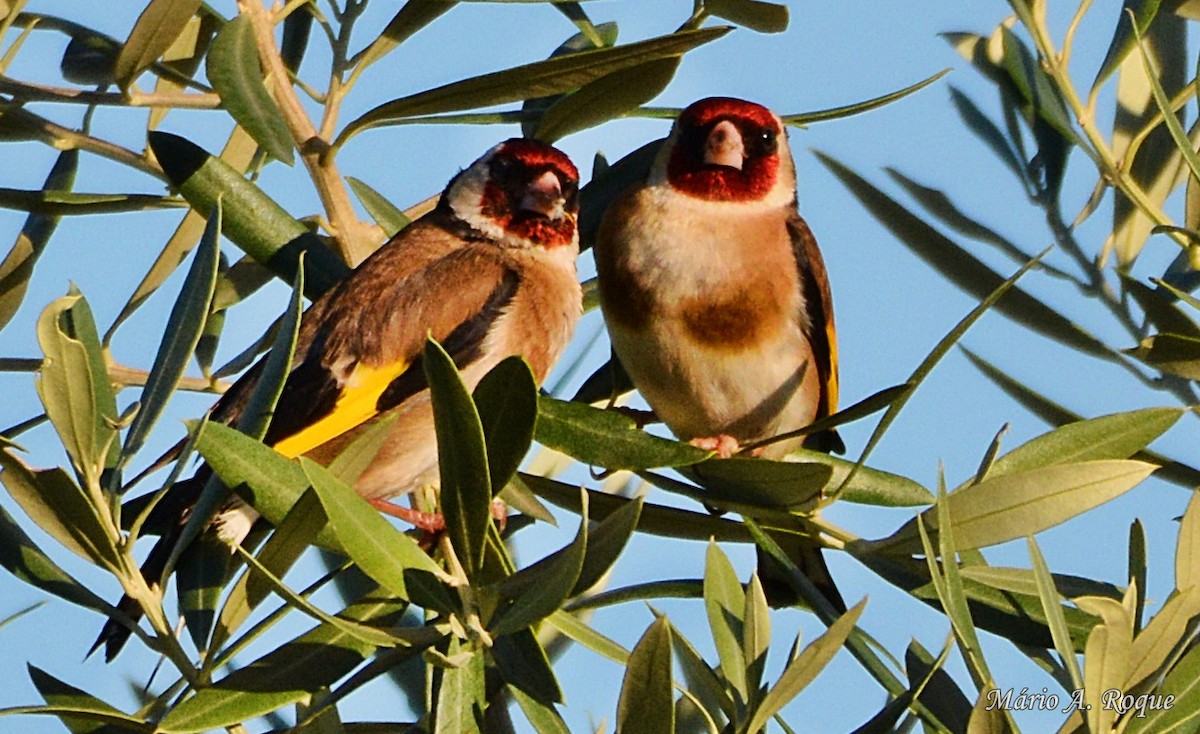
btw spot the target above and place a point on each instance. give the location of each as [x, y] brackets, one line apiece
[761, 142]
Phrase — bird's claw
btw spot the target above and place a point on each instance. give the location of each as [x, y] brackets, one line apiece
[723, 444]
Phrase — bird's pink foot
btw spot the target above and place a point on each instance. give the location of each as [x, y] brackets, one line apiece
[724, 445]
[430, 522]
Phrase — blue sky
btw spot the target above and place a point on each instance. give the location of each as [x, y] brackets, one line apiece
[891, 309]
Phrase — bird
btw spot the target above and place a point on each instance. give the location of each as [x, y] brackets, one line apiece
[717, 301]
[490, 273]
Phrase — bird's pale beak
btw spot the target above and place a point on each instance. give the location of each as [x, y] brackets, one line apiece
[543, 196]
[724, 146]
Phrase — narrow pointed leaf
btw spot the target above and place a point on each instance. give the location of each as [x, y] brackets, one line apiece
[17, 267]
[1106, 662]
[758, 483]
[1187, 548]
[1117, 436]
[964, 269]
[1052, 605]
[236, 76]
[155, 30]
[389, 217]
[724, 602]
[647, 703]
[388, 556]
[606, 98]
[412, 17]
[607, 438]
[541, 589]
[25, 561]
[605, 542]
[180, 338]
[756, 15]
[465, 488]
[461, 695]
[506, 398]
[259, 410]
[288, 674]
[525, 666]
[74, 386]
[62, 509]
[803, 669]
[539, 79]
[1172, 354]
[544, 718]
[802, 119]
[1183, 683]
[58, 693]
[1124, 39]
[1025, 503]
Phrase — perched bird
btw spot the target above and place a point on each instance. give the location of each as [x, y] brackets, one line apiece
[489, 273]
[716, 297]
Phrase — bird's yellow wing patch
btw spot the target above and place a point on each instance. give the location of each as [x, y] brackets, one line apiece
[355, 405]
[831, 382]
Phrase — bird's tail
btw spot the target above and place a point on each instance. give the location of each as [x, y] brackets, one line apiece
[166, 519]
[807, 557]
[114, 634]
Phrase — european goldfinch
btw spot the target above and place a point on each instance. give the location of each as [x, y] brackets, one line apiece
[716, 297]
[489, 273]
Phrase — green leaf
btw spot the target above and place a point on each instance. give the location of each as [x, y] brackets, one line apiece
[17, 267]
[289, 673]
[184, 326]
[1106, 661]
[544, 718]
[1155, 645]
[1173, 125]
[1117, 436]
[74, 386]
[604, 544]
[1024, 581]
[668, 522]
[236, 76]
[756, 15]
[606, 438]
[60, 508]
[1035, 86]
[805, 667]
[465, 488]
[506, 398]
[389, 557]
[155, 30]
[987, 131]
[256, 415]
[539, 79]
[1124, 40]
[756, 639]
[1160, 308]
[461, 697]
[962, 268]
[201, 571]
[937, 690]
[21, 557]
[1183, 683]
[524, 665]
[412, 17]
[1187, 548]
[357, 457]
[57, 693]
[724, 602]
[1171, 354]
[750, 484]
[607, 98]
[1052, 606]
[647, 704]
[249, 218]
[1055, 414]
[1025, 503]
[540, 590]
[386, 214]
[802, 119]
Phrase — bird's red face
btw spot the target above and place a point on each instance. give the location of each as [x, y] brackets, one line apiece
[725, 150]
[532, 192]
